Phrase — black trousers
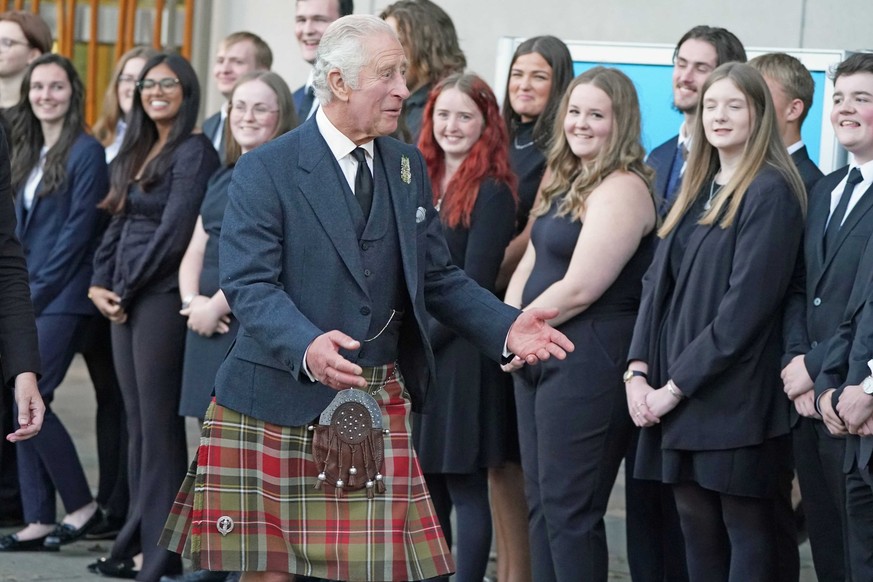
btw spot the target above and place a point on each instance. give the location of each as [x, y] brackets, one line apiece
[573, 430]
[859, 510]
[148, 351]
[819, 461]
[95, 345]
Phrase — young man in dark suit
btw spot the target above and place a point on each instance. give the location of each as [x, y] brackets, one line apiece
[839, 223]
[697, 54]
[310, 21]
[238, 54]
[792, 89]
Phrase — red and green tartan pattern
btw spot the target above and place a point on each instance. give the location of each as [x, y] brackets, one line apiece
[262, 476]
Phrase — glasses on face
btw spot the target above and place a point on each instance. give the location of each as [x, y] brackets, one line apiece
[259, 111]
[8, 43]
[126, 80]
[167, 84]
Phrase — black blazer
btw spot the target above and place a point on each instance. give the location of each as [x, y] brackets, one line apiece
[845, 363]
[809, 172]
[661, 160]
[19, 349]
[815, 311]
[141, 250]
[724, 353]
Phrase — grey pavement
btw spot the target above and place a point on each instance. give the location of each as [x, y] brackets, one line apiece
[74, 403]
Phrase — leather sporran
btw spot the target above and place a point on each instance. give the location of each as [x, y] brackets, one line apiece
[348, 444]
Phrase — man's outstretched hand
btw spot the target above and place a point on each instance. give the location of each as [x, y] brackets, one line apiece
[533, 340]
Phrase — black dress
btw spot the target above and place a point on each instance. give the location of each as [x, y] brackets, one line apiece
[529, 163]
[463, 430]
[203, 355]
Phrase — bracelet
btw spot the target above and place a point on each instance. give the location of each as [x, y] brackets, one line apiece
[674, 390]
[186, 301]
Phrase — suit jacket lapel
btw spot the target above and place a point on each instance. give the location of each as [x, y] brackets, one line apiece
[861, 210]
[320, 184]
[815, 230]
[403, 201]
[25, 218]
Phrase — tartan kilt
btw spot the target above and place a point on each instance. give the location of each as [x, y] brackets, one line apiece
[262, 477]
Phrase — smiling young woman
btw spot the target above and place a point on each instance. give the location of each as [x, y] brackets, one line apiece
[59, 176]
[158, 181]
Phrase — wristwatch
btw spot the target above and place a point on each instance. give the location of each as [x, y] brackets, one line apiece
[629, 375]
[867, 383]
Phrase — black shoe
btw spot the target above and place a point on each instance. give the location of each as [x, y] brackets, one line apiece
[198, 576]
[11, 543]
[66, 534]
[114, 568]
[106, 529]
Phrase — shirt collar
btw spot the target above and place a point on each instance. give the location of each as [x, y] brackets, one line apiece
[795, 147]
[340, 145]
[866, 170]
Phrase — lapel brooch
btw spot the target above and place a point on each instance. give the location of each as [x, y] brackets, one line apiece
[405, 172]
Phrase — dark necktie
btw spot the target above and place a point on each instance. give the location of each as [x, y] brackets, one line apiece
[839, 214]
[363, 182]
[675, 179]
[306, 103]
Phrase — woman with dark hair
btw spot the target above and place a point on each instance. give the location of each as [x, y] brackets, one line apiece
[429, 38]
[590, 246]
[540, 71]
[118, 99]
[157, 183]
[59, 176]
[464, 145]
[260, 108]
[709, 332]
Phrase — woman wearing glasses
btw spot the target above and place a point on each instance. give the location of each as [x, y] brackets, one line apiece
[261, 108]
[118, 99]
[157, 184]
[24, 36]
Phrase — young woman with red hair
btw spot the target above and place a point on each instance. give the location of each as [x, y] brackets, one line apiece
[464, 142]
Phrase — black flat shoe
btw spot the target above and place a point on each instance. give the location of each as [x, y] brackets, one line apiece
[11, 543]
[107, 529]
[114, 568]
[65, 534]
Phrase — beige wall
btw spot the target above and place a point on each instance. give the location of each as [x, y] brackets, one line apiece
[820, 24]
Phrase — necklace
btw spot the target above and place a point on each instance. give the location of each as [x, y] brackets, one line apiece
[521, 146]
[712, 193]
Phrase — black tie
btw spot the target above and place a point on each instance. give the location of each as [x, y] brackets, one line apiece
[306, 103]
[839, 214]
[363, 182]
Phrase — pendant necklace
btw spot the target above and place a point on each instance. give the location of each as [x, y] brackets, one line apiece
[712, 193]
[522, 146]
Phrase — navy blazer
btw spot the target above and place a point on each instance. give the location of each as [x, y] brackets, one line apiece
[815, 311]
[19, 349]
[809, 172]
[61, 231]
[660, 159]
[291, 270]
[724, 309]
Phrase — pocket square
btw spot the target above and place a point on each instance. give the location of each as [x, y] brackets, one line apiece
[420, 213]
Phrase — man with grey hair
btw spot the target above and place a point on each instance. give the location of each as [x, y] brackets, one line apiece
[332, 255]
